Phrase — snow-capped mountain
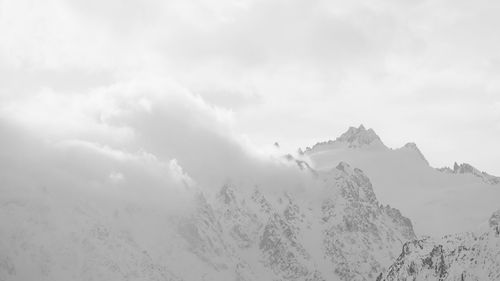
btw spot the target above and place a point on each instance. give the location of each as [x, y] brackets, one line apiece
[337, 229]
[438, 203]
[325, 222]
[454, 257]
[333, 228]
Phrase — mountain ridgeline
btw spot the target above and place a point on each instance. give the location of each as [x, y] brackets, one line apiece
[338, 230]
[361, 211]
[438, 201]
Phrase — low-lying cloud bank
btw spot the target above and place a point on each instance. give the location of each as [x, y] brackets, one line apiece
[146, 141]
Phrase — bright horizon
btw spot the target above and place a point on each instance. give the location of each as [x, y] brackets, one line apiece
[296, 72]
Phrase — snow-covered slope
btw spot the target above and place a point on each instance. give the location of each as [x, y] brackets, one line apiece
[332, 228]
[438, 203]
[454, 257]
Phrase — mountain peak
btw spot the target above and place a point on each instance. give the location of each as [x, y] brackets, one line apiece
[357, 137]
[352, 138]
[413, 146]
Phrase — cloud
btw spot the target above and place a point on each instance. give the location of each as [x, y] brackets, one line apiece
[295, 71]
[80, 168]
[145, 138]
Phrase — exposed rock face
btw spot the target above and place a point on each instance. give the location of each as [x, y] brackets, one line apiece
[357, 137]
[447, 170]
[333, 228]
[360, 234]
[454, 257]
[341, 232]
[465, 168]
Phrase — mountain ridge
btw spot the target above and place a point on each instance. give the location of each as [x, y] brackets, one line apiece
[464, 256]
[360, 137]
[466, 168]
[404, 179]
[335, 229]
[325, 222]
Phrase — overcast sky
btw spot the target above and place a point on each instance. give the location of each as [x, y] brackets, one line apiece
[204, 78]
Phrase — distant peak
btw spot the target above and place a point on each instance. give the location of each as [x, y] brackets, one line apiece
[360, 136]
[413, 146]
[466, 168]
[352, 138]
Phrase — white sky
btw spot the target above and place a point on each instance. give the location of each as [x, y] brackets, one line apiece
[256, 71]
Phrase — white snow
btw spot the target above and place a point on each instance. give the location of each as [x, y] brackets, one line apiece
[437, 203]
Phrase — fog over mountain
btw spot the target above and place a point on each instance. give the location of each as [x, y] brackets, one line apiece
[93, 212]
[195, 140]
